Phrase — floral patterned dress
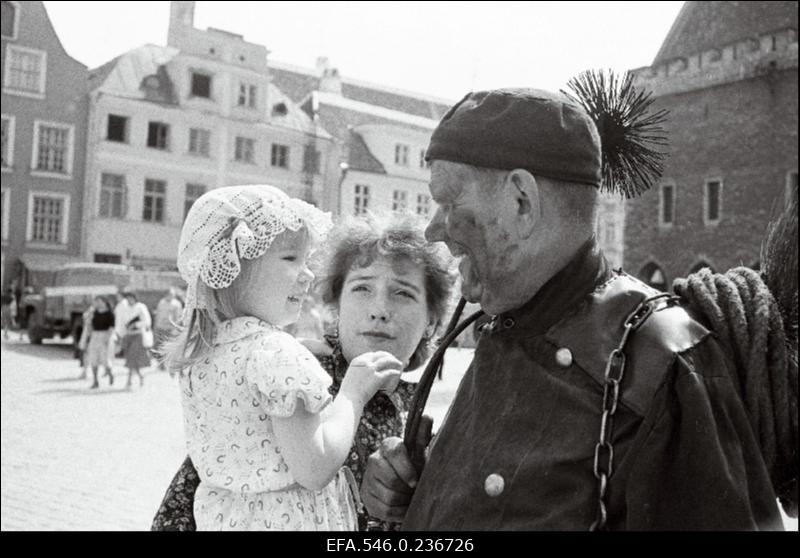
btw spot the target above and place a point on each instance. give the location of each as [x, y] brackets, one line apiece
[254, 373]
[383, 416]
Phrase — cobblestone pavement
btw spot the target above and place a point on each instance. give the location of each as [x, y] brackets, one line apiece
[75, 459]
[94, 460]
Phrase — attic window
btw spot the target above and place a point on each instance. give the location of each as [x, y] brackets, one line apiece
[241, 58]
[201, 85]
[212, 50]
[151, 82]
[280, 109]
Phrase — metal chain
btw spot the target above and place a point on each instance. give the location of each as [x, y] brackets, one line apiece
[603, 466]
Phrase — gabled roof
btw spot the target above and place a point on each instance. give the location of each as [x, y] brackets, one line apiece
[359, 156]
[123, 76]
[294, 118]
[701, 26]
[338, 120]
[299, 82]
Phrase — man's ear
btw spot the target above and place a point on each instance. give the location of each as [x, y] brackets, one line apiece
[526, 196]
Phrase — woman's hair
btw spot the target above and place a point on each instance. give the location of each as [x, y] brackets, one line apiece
[359, 241]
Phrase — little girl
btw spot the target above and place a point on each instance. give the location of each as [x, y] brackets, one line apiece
[267, 439]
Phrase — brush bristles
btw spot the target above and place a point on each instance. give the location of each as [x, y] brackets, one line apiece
[629, 135]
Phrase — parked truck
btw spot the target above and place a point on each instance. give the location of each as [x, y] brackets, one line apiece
[57, 309]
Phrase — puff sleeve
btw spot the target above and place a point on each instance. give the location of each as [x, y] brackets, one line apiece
[283, 371]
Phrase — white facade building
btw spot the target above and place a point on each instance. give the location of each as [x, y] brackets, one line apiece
[170, 123]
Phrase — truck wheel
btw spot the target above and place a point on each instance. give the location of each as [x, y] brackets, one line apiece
[35, 334]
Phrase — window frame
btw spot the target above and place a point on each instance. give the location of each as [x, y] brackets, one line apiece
[12, 119]
[205, 74]
[423, 204]
[167, 139]
[661, 222]
[156, 195]
[207, 143]
[15, 33]
[40, 94]
[708, 222]
[252, 151]
[65, 198]
[186, 196]
[401, 151]
[124, 202]
[360, 198]
[250, 96]
[67, 175]
[126, 131]
[400, 200]
[283, 152]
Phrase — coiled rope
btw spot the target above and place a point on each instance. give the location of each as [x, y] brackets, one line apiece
[739, 307]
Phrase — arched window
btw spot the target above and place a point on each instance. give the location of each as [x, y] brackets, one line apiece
[700, 265]
[654, 276]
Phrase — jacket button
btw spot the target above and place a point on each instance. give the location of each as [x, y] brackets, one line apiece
[564, 357]
[494, 485]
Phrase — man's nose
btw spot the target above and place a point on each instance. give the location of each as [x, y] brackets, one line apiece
[434, 232]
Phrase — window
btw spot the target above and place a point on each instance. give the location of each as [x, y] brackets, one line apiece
[158, 135]
[280, 156]
[423, 204]
[52, 148]
[399, 200]
[112, 196]
[9, 20]
[423, 164]
[791, 187]
[25, 71]
[248, 95]
[199, 142]
[193, 191]
[47, 220]
[5, 200]
[712, 202]
[108, 258]
[154, 194]
[401, 154]
[245, 150]
[311, 159]
[666, 212]
[8, 142]
[117, 129]
[201, 85]
[361, 199]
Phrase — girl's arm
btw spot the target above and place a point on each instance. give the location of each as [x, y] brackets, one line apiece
[315, 445]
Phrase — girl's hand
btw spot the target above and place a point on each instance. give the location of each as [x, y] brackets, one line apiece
[370, 372]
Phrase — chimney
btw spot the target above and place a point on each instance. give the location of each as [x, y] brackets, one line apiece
[329, 81]
[181, 17]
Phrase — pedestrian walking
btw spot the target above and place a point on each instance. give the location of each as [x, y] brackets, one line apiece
[96, 339]
[132, 322]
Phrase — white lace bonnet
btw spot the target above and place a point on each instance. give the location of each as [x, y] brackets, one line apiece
[235, 222]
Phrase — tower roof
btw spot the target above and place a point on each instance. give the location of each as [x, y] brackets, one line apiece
[704, 25]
